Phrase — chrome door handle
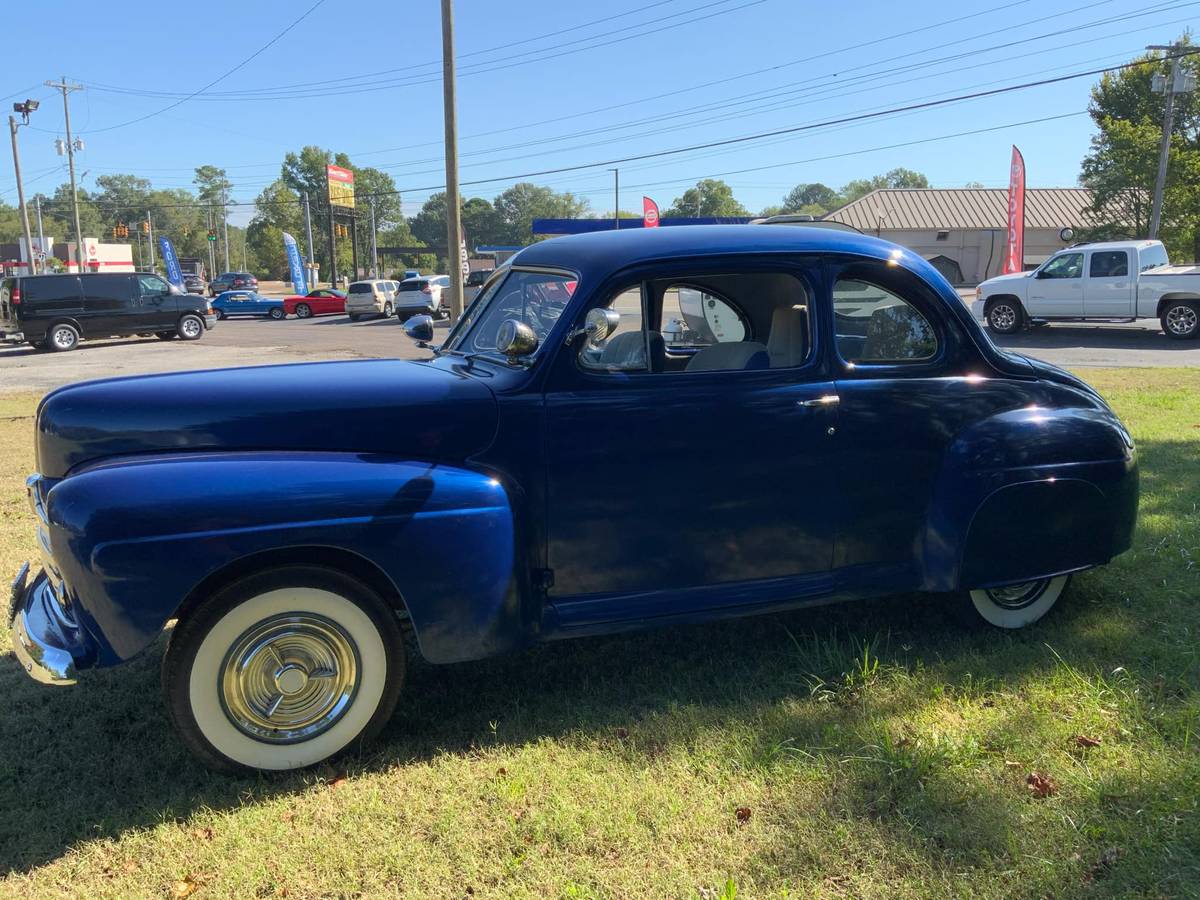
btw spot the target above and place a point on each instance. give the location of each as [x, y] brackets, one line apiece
[826, 400]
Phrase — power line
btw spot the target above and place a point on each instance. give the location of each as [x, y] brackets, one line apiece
[219, 78]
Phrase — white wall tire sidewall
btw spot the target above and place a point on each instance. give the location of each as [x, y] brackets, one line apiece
[997, 615]
[204, 695]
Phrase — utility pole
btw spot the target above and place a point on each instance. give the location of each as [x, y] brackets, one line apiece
[374, 248]
[66, 89]
[212, 253]
[12, 127]
[450, 114]
[308, 230]
[150, 234]
[37, 203]
[616, 198]
[1174, 83]
[225, 222]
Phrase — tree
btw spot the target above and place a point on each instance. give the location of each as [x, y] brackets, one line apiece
[710, 197]
[1122, 166]
[480, 220]
[804, 197]
[896, 178]
[522, 203]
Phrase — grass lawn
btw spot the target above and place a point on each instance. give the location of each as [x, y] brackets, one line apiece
[871, 750]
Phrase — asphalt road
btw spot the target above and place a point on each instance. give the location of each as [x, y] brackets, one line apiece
[252, 342]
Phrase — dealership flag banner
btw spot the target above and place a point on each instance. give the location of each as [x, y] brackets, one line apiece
[299, 280]
[1014, 258]
[171, 261]
[649, 213]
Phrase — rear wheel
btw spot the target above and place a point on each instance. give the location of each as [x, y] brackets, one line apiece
[220, 314]
[354, 317]
[62, 337]
[1018, 605]
[190, 328]
[303, 311]
[1181, 319]
[388, 309]
[1004, 316]
[283, 669]
[276, 312]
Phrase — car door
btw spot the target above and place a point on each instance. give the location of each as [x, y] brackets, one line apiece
[159, 307]
[674, 475]
[111, 305]
[1056, 289]
[1108, 290]
[322, 302]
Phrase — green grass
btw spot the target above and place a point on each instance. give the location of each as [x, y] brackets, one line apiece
[875, 750]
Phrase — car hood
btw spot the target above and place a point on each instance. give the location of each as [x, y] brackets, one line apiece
[999, 281]
[394, 407]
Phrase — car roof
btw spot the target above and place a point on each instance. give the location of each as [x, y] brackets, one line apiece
[601, 252]
[1112, 245]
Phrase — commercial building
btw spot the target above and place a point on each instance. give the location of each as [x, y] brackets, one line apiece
[962, 231]
[97, 256]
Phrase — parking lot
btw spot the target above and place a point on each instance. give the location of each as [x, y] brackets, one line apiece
[253, 342]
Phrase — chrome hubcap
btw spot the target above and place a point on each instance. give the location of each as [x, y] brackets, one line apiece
[302, 311]
[289, 678]
[1017, 596]
[1181, 319]
[64, 337]
[191, 327]
[1003, 316]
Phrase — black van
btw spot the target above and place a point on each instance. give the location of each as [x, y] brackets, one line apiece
[53, 312]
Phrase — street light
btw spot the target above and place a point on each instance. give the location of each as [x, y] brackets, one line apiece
[24, 109]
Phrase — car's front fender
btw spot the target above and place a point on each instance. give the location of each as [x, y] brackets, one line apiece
[132, 538]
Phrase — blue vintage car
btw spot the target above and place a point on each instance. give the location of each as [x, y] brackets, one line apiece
[247, 303]
[827, 422]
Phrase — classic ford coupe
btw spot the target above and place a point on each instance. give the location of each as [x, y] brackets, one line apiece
[625, 429]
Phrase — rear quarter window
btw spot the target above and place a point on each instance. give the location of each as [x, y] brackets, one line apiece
[360, 289]
[412, 285]
[50, 287]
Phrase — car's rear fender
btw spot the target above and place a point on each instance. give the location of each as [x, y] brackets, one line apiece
[1029, 493]
[136, 538]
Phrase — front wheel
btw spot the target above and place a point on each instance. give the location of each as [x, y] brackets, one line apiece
[1181, 320]
[303, 311]
[220, 314]
[1018, 605]
[190, 328]
[1004, 317]
[283, 669]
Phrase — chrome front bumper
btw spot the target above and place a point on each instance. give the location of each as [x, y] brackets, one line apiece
[46, 642]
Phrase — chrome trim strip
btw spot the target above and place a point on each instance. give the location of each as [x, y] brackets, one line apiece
[36, 622]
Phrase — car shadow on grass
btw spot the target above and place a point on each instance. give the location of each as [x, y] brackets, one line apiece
[100, 759]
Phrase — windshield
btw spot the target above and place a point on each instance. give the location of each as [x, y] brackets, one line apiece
[535, 298]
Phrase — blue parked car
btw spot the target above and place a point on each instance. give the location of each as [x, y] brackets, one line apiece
[247, 303]
[827, 422]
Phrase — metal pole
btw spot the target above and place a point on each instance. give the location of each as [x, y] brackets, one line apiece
[66, 89]
[308, 229]
[374, 247]
[354, 244]
[450, 113]
[225, 224]
[212, 256]
[245, 264]
[30, 264]
[616, 198]
[1164, 153]
[150, 225]
[37, 203]
[332, 250]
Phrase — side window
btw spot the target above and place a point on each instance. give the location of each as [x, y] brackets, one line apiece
[1109, 264]
[1153, 257]
[693, 318]
[153, 286]
[1067, 265]
[874, 325]
[625, 349]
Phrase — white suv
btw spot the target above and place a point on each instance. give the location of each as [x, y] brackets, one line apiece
[423, 295]
[374, 297]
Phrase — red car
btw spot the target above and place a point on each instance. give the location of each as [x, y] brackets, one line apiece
[317, 302]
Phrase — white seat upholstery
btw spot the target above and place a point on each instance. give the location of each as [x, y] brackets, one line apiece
[731, 356]
[787, 344]
[626, 350]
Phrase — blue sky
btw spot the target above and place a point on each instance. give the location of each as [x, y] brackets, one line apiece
[550, 84]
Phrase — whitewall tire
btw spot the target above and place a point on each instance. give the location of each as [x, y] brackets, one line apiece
[1018, 605]
[283, 669]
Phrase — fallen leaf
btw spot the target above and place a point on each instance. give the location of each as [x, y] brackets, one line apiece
[1012, 765]
[743, 814]
[338, 780]
[501, 772]
[1041, 785]
[1082, 740]
[202, 834]
[185, 888]
[130, 866]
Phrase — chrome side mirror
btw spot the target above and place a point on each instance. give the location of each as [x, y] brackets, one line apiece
[597, 325]
[515, 339]
[420, 329]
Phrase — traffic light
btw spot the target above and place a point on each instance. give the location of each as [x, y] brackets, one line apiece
[120, 230]
[145, 227]
[212, 235]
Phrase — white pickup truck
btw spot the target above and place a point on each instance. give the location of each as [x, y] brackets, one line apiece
[1115, 281]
